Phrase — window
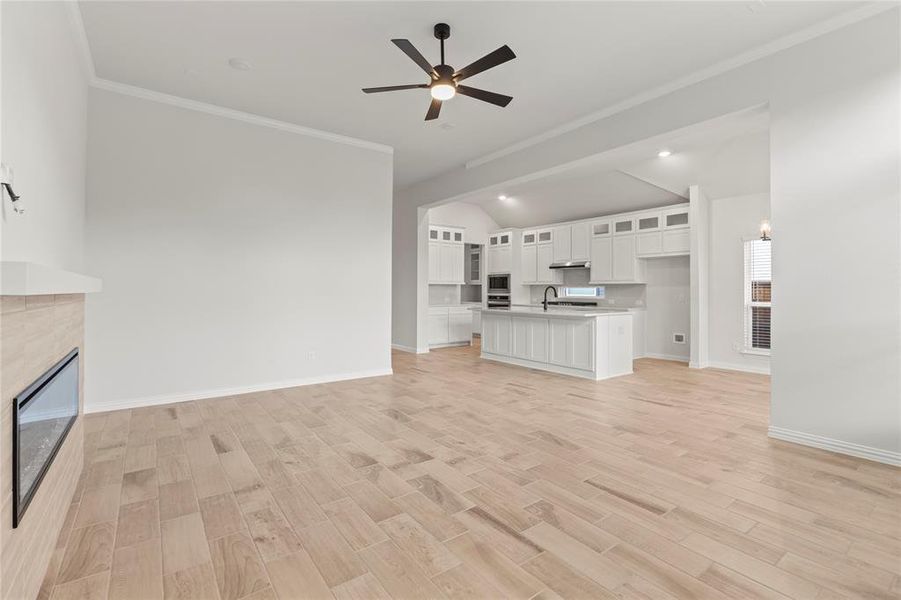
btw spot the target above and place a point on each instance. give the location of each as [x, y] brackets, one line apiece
[583, 292]
[758, 296]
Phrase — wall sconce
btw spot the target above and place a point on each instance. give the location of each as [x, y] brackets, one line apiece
[6, 179]
[765, 230]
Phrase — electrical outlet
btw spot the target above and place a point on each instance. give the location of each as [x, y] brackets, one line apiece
[678, 338]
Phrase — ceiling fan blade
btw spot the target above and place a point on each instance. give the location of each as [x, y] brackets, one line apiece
[434, 109]
[392, 88]
[493, 59]
[478, 94]
[411, 51]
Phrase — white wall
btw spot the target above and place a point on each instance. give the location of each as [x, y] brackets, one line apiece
[732, 220]
[44, 116]
[463, 214]
[668, 310]
[230, 254]
[834, 106]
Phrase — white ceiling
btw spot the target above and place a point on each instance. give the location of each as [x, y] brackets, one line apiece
[310, 60]
[727, 157]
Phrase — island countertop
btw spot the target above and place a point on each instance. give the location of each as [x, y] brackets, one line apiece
[554, 312]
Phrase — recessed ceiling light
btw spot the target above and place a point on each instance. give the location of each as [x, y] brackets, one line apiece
[239, 64]
[501, 197]
[664, 153]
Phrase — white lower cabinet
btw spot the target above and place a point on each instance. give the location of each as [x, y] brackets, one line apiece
[530, 339]
[449, 325]
[572, 343]
[595, 347]
[437, 328]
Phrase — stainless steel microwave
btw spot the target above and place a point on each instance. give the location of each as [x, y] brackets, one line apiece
[499, 283]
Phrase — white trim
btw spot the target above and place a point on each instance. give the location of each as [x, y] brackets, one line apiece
[817, 441]
[81, 40]
[87, 60]
[793, 39]
[228, 113]
[760, 370]
[32, 279]
[223, 392]
[675, 357]
[410, 349]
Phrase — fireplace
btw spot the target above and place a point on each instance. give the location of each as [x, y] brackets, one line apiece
[43, 414]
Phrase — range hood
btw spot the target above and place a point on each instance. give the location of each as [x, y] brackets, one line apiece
[571, 264]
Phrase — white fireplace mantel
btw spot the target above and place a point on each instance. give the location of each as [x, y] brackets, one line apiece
[32, 279]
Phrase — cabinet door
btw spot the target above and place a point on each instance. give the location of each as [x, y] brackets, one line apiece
[649, 243]
[545, 258]
[458, 263]
[538, 338]
[529, 259]
[557, 346]
[563, 243]
[504, 334]
[477, 321]
[438, 329]
[648, 223]
[434, 262]
[521, 344]
[600, 228]
[489, 333]
[459, 327]
[581, 344]
[446, 262]
[581, 241]
[676, 241]
[504, 259]
[624, 226]
[624, 258]
[675, 218]
[601, 259]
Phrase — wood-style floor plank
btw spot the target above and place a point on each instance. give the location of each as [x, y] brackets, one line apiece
[461, 478]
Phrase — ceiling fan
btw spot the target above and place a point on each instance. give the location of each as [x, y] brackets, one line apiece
[444, 81]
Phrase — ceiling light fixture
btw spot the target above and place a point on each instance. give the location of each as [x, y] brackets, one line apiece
[443, 91]
[664, 153]
[501, 197]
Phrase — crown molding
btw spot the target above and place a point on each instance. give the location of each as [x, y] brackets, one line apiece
[81, 39]
[87, 60]
[778, 45]
[237, 115]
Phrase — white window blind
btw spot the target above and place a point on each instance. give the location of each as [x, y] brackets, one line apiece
[758, 295]
[583, 292]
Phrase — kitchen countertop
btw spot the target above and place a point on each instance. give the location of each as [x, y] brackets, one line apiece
[570, 313]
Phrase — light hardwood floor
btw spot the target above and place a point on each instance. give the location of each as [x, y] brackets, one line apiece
[462, 478]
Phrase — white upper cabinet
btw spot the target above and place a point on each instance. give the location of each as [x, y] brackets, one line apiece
[581, 241]
[563, 243]
[529, 259]
[624, 226]
[599, 228]
[500, 252]
[662, 233]
[545, 274]
[446, 255]
[601, 259]
[675, 218]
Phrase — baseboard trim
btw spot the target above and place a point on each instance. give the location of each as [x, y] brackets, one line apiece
[743, 368]
[823, 443]
[234, 391]
[680, 359]
[404, 348]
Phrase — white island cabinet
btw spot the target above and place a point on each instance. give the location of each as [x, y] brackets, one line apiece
[594, 345]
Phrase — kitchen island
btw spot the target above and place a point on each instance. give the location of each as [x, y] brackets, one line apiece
[594, 344]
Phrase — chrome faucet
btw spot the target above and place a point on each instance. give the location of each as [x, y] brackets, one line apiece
[552, 288]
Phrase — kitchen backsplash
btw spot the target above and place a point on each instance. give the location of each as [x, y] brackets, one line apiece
[444, 294]
[619, 295]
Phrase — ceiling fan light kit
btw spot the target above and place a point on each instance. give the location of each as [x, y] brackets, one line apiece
[444, 81]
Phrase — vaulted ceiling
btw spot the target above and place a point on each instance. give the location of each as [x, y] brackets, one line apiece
[309, 60]
[727, 157]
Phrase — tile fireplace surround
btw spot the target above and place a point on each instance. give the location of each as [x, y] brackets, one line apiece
[35, 332]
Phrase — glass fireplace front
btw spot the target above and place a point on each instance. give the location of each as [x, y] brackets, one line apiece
[42, 416]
